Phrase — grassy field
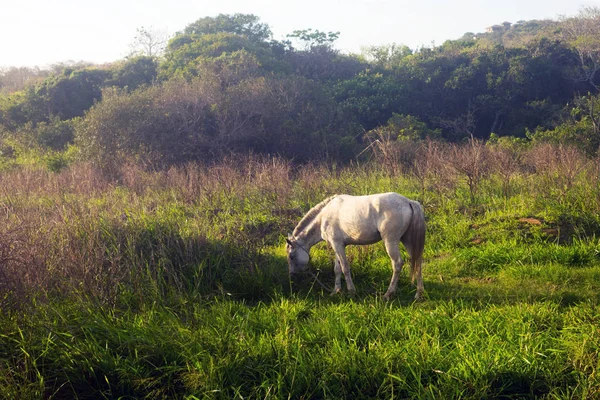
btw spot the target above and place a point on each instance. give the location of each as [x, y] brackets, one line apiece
[173, 284]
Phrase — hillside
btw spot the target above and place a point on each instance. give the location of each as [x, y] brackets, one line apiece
[222, 85]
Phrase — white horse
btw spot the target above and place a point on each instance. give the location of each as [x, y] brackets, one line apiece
[342, 220]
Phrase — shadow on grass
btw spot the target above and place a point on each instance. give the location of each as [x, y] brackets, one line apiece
[167, 266]
[513, 384]
[471, 291]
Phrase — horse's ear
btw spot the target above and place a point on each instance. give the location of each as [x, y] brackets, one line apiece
[289, 241]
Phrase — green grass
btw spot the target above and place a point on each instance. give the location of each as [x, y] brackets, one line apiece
[174, 285]
[298, 347]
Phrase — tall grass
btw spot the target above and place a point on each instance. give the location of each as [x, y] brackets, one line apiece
[297, 348]
[173, 283]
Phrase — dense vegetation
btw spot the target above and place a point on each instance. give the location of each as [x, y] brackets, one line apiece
[143, 215]
[223, 85]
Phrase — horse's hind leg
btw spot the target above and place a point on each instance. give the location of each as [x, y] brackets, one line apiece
[338, 277]
[415, 267]
[391, 246]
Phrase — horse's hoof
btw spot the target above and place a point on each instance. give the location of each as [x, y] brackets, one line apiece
[335, 292]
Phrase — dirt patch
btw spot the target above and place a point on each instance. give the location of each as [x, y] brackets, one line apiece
[530, 221]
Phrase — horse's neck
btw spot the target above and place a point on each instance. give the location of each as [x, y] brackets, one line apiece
[311, 235]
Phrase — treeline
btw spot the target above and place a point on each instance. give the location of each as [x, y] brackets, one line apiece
[223, 85]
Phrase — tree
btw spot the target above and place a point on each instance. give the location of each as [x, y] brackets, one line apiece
[311, 39]
[149, 42]
[247, 25]
[185, 53]
[369, 98]
[471, 161]
[134, 72]
[394, 144]
[582, 33]
[580, 126]
[69, 95]
[55, 134]
[167, 125]
[19, 108]
[64, 96]
[387, 56]
[14, 79]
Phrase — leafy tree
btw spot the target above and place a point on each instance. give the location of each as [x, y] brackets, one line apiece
[134, 72]
[229, 68]
[408, 127]
[166, 124]
[69, 95]
[15, 109]
[224, 85]
[311, 39]
[55, 134]
[323, 64]
[203, 118]
[474, 90]
[438, 86]
[213, 37]
[386, 56]
[185, 54]
[317, 58]
[580, 126]
[246, 25]
[369, 98]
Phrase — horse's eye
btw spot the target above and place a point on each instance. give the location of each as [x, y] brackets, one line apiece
[292, 256]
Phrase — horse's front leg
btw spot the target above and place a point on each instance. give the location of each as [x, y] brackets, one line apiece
[342, 263]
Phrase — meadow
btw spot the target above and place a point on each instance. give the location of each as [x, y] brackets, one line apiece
[173, 283]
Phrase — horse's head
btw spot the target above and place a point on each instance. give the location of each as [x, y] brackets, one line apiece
[297, 256]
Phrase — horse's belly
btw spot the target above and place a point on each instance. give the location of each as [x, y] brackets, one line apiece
[364, 237]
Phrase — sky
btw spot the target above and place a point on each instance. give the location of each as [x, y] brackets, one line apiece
[42, 32]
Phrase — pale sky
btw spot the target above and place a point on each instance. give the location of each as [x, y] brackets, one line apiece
[44, 32]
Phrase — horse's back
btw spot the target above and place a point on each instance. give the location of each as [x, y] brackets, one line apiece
[379, 203]
[367, 218]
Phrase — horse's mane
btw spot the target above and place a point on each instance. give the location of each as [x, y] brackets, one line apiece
[310, 215]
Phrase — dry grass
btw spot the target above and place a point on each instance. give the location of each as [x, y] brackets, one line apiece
[173, 283]
[78, 231]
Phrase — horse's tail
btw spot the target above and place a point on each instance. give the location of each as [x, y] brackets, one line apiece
[416, 239]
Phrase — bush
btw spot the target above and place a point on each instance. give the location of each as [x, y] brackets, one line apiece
[580, 126]
[56, 162]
